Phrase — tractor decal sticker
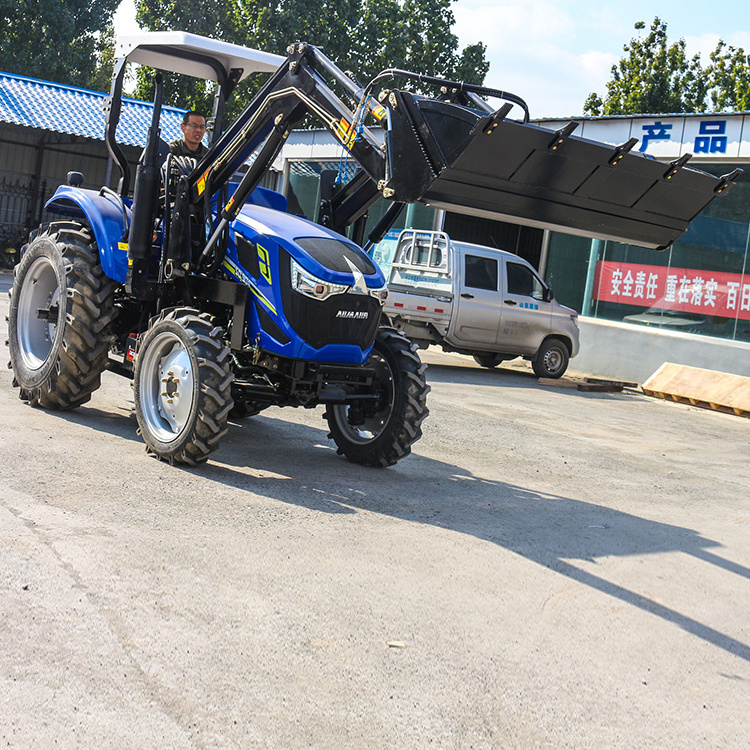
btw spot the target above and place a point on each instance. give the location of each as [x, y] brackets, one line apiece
[265, 302]
[201, 185]
[265, 266]
[345, 133]
[379, 112]
[238, 273]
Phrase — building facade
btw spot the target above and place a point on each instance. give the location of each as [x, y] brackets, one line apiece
[47, 130]
[638, 307]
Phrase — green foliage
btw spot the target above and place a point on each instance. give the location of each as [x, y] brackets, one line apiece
[656, 77]
[653, 77]
[379, 42]
[101, 78]
[472, 66]
[363, 36]
[729, 78]
[54, 40]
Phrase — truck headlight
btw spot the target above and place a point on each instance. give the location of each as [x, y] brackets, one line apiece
[311, 286]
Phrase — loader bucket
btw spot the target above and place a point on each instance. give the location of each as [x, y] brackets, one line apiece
[454, 158]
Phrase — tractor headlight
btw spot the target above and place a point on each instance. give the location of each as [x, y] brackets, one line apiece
[311, 286]
[380, 294]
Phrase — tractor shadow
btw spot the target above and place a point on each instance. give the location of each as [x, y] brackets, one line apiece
[300, 467]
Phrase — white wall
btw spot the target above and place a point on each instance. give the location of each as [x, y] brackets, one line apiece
[622, 351]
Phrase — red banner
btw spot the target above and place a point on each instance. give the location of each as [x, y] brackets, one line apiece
[705, 292]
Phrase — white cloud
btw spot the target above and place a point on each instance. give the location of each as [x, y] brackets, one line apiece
[597, 63]
[505, 25]
[705, 44]
[529, 47]
[124, 19]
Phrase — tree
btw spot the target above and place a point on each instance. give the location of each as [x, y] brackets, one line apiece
[653, 77]
[472, 66]
[101, 78]
[205, 17]
[729, 78]
[364, 36]
[53, 40]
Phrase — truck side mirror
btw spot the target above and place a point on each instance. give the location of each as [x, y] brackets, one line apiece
[549, 295]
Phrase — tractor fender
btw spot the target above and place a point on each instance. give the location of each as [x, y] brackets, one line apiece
[103, 212]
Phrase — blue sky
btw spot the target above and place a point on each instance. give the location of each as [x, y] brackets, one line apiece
[553, 53]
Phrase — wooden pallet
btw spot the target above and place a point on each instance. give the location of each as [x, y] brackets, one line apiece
[709, 389]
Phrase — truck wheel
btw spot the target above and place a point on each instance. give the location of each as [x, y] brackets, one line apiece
[488, 359]
[383, 433]
[182, 386]
[551, 360]
[60, 321]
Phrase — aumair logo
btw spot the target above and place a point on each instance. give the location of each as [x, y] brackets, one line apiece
[353, 314]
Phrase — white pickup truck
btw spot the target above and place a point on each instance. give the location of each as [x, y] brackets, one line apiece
[487, 303]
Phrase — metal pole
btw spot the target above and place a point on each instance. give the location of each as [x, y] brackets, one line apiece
[544, 253]
[596, 251]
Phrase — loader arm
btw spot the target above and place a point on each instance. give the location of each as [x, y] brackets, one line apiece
[297, 90]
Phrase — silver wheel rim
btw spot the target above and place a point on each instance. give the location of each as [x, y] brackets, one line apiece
[374, 425]
[40, 291]
[553, 360]
[166, 387]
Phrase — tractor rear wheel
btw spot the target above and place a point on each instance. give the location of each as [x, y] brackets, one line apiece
[383, 433]
[60, 321]
[182, 386]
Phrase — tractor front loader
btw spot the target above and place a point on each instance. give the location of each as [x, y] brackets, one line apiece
[219, 303]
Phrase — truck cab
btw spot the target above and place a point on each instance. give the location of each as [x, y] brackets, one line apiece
[480, 301]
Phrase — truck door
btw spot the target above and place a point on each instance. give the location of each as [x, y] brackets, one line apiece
[478, 303]
[526, 316]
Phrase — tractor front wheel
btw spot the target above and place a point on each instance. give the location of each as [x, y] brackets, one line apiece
[182, 386]
[382, 433]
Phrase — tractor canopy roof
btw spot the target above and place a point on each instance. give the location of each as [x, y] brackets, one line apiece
[193, 55]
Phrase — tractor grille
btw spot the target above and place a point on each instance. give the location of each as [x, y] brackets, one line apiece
[341, 319]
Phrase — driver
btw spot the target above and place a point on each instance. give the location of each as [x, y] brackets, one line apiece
[193, 128]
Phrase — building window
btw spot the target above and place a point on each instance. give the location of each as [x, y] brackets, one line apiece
[700, 285]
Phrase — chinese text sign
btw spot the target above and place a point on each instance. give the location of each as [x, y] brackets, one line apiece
[705, 292]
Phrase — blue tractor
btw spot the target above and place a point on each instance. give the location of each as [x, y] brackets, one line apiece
[218, 303]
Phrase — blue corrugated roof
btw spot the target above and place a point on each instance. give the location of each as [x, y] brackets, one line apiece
[67, 109]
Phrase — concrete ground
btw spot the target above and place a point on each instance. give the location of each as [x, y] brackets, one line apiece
[549, 569]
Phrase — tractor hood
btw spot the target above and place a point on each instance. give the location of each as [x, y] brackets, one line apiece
[323, 252]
